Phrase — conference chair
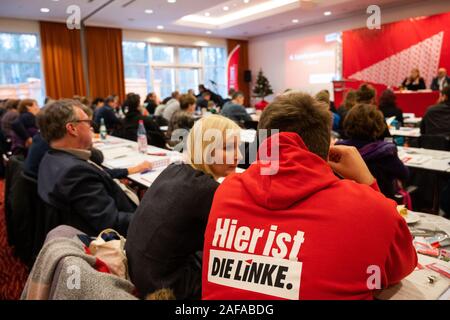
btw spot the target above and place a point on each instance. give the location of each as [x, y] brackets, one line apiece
[251, 125]
[14, 167]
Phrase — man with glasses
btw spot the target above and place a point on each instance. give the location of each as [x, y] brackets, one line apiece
[85, 194]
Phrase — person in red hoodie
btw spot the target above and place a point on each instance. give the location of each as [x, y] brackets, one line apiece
[289, 228]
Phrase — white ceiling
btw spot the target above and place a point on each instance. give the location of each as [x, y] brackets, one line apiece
[167, 14]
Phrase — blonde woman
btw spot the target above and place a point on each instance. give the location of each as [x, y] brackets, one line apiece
[166, 234]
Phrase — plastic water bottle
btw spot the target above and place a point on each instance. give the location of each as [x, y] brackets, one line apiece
[103, 131]
[142, 137]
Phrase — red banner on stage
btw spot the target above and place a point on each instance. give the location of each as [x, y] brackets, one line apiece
[233, 68]
[387, 55]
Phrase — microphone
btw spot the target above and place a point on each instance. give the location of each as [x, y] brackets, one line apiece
[213, 82]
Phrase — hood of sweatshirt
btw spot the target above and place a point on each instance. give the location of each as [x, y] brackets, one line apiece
[286, 172]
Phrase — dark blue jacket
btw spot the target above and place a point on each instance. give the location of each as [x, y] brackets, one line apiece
[108, 114]
[39, 148]
[235, 112]
[87, 197]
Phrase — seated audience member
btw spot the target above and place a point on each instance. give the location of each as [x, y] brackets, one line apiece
[437, 118]
[235, 109]
[131, 123]
[172, 106]
[349, 103]
[151, 102]
[85, 194]
[97, 104]
[389, 107]
[363, 126]
[271, 227]
[441, 81]
[230, 96]
[182, 119]
[165, 239]
[39, 148]
[202, 102]
[414, 82]
[366, 94]
[324, 96]
[214, 97]
[24, 127]
[10, 116]
[108, 114]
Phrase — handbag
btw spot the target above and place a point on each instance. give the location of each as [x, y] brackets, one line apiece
[112, 253]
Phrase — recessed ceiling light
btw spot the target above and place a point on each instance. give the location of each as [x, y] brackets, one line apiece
[294, 20]
[160, 27]
[246, 1]
[149, 11]
[171, 1]
[226, 8]
[207, 14]
[327, 13]
[208, 32]
[45, 10]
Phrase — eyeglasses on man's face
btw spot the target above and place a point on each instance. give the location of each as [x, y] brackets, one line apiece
[89, 122]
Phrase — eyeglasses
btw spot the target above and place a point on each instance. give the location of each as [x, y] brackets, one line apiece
[89, 122]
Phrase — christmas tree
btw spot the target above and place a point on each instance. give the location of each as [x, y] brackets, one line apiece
[262, 88]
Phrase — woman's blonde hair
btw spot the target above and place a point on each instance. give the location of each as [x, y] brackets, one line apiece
[198, 142]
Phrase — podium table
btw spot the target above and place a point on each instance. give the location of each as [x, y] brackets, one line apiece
[416, 102]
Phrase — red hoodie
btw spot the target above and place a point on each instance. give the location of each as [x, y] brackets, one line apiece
[302, 233]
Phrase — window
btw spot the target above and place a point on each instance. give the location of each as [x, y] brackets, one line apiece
[214, 74]
[20, 67]
[164, 69]
[137, 70]
[164, 79]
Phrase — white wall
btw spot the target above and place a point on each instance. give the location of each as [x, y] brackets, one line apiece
[174, 39]
[268, 51]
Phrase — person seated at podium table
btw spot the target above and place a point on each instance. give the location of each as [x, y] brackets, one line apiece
[414, 82]
[441, 81]
[436, 120]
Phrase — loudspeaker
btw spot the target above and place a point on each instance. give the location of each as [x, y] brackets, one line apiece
[248, 75]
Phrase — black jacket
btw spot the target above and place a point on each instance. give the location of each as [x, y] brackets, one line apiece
[109, 116]
[130, 126]
[167, 231]
[435, 83]
[414, 87]
[436, 120]
[86, 196]
[392, 111]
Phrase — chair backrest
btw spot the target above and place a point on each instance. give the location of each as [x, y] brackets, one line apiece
[12, 177]
[251, 125]
[436, 142]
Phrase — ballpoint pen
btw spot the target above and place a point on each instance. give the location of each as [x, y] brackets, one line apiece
[161, 154]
